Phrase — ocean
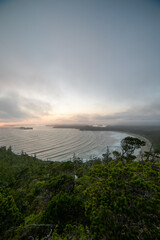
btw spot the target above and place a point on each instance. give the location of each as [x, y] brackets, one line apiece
[57, 144]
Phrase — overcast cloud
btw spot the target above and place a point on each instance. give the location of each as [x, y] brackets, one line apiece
[84, 61]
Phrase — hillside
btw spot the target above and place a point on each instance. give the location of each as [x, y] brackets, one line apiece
[100, 199]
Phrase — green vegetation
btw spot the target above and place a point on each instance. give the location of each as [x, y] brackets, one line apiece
[113, 198]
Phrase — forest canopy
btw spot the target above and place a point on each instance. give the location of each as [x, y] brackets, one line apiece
[116, 197]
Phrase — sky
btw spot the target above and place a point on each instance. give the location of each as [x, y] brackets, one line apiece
[80, 61]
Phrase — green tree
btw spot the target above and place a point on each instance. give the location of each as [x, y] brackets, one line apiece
[9, 213]
[64, 209]
[130, 144]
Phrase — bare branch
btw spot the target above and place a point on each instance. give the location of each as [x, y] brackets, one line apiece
[35, 225]
[49, 234]
[31, 237]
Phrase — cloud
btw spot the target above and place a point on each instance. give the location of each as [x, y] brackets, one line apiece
[75, 57]
[17, 108]
[146, 114]
[11, 110]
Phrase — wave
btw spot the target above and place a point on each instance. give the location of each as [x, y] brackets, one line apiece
[59, 144]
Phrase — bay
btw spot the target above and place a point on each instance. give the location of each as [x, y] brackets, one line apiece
[60, 144]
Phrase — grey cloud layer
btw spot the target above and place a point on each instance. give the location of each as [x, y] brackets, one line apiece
[16, 108]
[10, 109]
[102, 50]
[149, 114]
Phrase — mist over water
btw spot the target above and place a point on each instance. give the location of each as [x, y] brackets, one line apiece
[60, 144]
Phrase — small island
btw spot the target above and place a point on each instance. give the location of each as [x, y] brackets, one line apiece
[25, 128]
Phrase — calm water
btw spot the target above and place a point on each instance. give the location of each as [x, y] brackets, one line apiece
[60, 144]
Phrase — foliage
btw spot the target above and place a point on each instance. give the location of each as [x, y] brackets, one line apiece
[130, 144]
[113, 198]
[64, 209]
[9, 212]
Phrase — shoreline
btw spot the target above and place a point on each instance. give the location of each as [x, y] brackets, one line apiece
[135, 131]
[148, 145]
[143, 149]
